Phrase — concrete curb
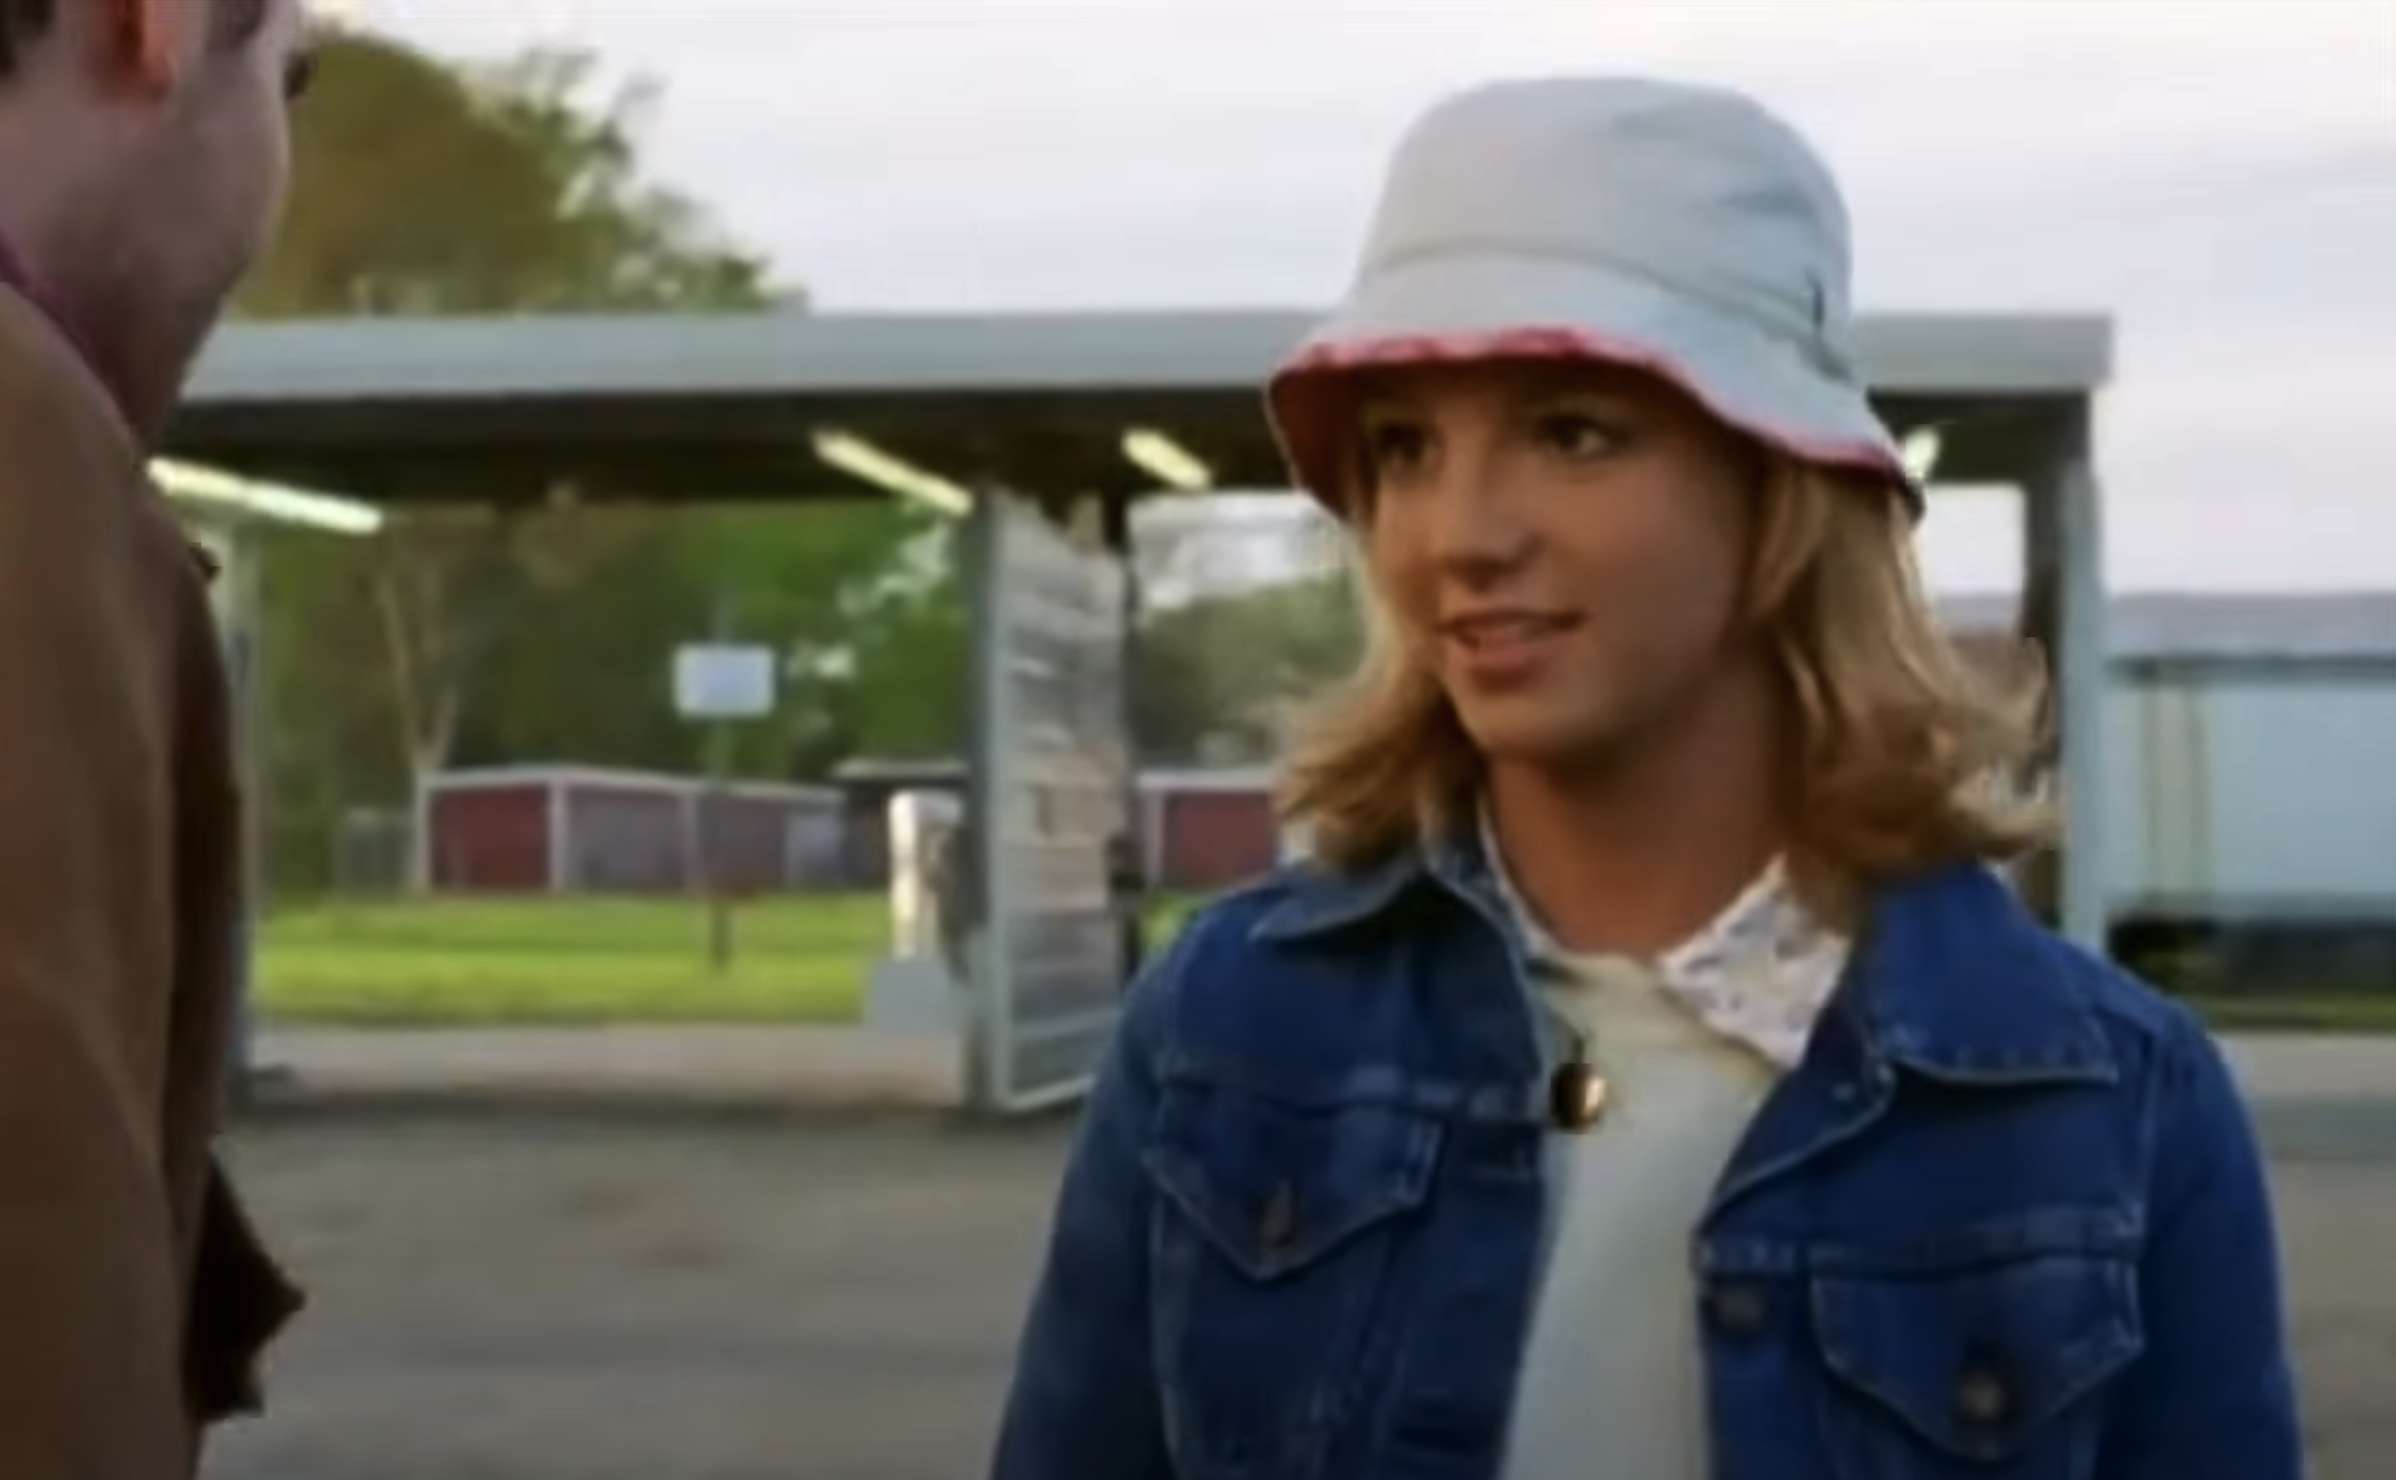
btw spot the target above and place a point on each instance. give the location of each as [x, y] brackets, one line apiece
[2316, 1098]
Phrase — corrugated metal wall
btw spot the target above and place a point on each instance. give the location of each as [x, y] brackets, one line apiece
[2244, 791]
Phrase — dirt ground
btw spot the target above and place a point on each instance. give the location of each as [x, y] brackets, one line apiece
[537, 1298]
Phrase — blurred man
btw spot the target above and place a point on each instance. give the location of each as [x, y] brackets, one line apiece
[1127, 896]
[143, 156]
[954, 906]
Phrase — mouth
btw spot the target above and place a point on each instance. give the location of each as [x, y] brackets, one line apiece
[1504, 648]
[1493, 631]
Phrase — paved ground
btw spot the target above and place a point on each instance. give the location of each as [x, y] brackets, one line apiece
[597, 1299]
[850, 1068]
[530, 1294]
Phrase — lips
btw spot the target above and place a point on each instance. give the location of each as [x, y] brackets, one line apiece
[1503, 649]
[1499, 629]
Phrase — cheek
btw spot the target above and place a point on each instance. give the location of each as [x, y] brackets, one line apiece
[1401, 571]
[1659, 585]
[244, 143]
[260, 154]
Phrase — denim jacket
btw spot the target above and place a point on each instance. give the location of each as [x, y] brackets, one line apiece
[2006, 1221]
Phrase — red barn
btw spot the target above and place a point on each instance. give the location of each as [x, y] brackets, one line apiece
[1202, 829]
[1208, 829]
[581, 829]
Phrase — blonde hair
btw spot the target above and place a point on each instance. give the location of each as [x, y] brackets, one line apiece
[1907, 753]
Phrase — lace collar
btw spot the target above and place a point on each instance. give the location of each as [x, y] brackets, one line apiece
[1759, 974]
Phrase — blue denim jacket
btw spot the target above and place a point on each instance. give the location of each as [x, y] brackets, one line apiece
[2007, 1221]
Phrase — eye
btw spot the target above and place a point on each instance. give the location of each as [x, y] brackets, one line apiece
[1393, 445]
[1577, 436]
[299, 73]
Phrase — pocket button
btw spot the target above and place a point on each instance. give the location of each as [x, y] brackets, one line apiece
[1735, 1310]
[1277, 1223]
[1983, 1398]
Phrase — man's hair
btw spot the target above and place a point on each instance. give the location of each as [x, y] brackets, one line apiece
[23, 22]
[1908, 753]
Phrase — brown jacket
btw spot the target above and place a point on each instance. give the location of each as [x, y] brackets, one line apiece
[132, 1294]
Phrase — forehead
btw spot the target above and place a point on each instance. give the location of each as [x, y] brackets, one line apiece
[1428, 387]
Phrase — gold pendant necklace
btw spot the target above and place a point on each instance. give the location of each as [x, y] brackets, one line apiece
[1576, 1092]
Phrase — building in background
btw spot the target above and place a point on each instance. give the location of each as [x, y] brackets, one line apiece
[2250, 788]
[2250, 785]
[1200, 830]
[563, 829]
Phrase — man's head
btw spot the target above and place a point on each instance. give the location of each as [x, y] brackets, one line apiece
[144, 151]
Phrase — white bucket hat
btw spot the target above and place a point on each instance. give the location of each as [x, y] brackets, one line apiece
[1684, 231]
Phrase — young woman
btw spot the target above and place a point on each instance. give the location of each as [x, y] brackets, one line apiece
[1649, 1078]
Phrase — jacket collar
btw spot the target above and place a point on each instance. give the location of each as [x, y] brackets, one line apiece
[16, 276]
[1951, 976]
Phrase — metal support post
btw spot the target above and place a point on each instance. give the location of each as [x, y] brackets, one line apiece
[980, 836]
[2064, 610]
[2083, 669]
[1130, 870]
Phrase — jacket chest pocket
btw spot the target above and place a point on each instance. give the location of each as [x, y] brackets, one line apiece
[1994, 1370]
[1277, 1230]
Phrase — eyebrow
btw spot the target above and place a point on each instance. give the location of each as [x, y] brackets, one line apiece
[1546, 381]
[1529, 382]
[1385, 403]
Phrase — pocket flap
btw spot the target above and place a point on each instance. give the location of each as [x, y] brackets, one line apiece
[1275, 1187]
[1978, 1361]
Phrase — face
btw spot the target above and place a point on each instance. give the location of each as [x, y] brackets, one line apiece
[185, 173]
[220, 159]
[1563, 546]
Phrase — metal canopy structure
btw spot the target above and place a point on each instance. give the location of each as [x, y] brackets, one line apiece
[725, 408]
[1025, 421]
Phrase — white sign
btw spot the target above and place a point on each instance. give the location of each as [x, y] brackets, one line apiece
[714, 680]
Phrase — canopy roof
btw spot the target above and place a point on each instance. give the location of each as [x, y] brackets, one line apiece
[733, 407]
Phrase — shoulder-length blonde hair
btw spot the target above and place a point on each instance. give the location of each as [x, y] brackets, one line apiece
[1908, 753]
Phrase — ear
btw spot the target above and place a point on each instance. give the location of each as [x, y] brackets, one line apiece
[139, 48]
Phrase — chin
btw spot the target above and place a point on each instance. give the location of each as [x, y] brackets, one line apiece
[1535, 735]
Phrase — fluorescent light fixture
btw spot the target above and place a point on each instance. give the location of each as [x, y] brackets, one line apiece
[861, 459]
[276, 503]
[1919, 452]
[1166, 460]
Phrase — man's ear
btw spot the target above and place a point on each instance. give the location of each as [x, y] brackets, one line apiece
[139, 49]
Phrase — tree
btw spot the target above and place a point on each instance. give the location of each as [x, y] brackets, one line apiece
[857, 596]
[1215, 677]
[421, 188]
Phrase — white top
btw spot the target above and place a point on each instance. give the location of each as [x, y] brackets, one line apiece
[1611, 1388]
[1611, 1385]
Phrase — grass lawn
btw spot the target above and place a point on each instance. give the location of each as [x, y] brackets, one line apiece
[468, 962]
[2373, 1012]
[491, 962]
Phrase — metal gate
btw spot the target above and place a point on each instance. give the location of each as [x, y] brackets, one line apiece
[1049, 794]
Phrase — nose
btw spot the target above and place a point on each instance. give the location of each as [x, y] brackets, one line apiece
[1474, 526]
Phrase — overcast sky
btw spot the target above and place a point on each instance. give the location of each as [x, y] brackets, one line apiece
[2221, 176]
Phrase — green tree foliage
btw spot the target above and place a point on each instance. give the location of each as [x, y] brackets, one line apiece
[422, 188]
[1215, 679]
[543, 631]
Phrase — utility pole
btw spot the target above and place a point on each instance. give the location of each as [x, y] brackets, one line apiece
[714, 868]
